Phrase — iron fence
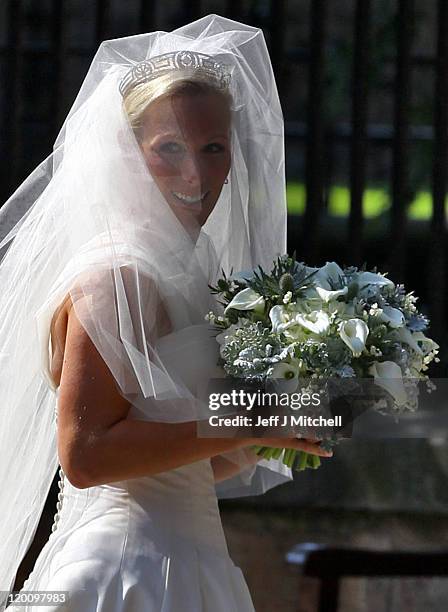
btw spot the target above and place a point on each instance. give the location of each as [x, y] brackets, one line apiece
[40, 74]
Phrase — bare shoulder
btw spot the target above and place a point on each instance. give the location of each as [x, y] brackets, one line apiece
[154, 311]
[58, 333]
[86, 382]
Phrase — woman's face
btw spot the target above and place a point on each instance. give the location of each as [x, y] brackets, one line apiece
[186, 145]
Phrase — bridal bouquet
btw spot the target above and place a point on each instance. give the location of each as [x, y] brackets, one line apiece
[298, 322]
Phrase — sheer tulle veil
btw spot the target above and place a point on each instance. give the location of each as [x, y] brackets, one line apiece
[91, 223]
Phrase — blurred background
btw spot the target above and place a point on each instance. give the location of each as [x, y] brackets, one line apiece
[364, 90]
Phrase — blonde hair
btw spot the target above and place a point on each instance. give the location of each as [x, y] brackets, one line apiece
[194, 82]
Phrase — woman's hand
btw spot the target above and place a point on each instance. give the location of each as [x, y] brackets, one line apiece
[308, 445]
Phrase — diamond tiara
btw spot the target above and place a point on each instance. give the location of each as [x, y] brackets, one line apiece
[176, 60]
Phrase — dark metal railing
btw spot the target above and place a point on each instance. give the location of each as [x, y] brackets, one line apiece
[436, 261]
[315, 157]
[317, 134]
[401, 139]
[358, 145]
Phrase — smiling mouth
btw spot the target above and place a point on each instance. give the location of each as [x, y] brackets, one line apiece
[189, 200]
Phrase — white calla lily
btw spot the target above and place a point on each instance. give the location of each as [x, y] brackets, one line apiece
[326, 295]
[327, 276]
[406, 336]
[391, 316]
[247, 299]
[316, 322]
[288, 373]
[279, 318]
[284, 322]
[371, 278]
[354, 333]
[284, 370]
[387, 375]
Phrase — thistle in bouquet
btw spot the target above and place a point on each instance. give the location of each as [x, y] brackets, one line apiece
[296, 322]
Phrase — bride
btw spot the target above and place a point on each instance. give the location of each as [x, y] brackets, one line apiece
[169, 168]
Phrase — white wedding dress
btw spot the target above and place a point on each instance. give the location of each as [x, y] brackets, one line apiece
[153, 544]
[144, 545]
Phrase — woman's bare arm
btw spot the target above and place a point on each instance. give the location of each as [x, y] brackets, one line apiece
[224, 468]
[97, 444]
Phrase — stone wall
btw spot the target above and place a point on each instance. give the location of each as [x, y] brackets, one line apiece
[374, 475]
[386, 494]
[258, 542]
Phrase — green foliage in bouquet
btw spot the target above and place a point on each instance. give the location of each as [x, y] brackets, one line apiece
[298, 322]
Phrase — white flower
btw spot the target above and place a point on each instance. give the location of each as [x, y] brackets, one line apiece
[406, 336]
[316, 322]
[287, 371]
[370, 278]
[280, 319]
[293, 324]
[392, 316]
[375, 351]
[327, 276]
[287, 297]
[247, 299]
[326, 295]
[354, 333]
[375, 310]
[387, 375]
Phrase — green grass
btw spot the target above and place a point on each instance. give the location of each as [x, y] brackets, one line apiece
[376, 201]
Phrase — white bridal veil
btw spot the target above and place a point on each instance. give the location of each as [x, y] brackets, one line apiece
[91, 223]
